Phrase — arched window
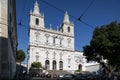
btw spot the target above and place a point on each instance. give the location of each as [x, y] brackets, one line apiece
[68, 29]
[37, 21]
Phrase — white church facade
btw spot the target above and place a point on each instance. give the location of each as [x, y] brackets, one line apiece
[54, 49]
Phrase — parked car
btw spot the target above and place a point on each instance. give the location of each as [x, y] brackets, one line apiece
[78, 76]
[54, 75]
[81, 77]
[42, 75]
[68, 77]
[90, 77]
[59, 77]
[34, 72]
[87, 76]
[48, 76]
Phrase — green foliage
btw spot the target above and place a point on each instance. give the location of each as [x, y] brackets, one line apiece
[105, 44]
[77, 70]
[36, 65]
[20, 56]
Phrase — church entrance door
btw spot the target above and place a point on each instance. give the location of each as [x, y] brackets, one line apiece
[47, 65]
[54, 65]
[80, 67]
[61, 65]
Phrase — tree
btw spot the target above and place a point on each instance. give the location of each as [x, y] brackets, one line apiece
[20, 56]
[105, 45]
[35, 69]
[36, 65]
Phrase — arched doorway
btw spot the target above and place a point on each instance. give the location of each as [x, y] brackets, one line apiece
[54, 64]
[47, 65]
[80, 67]
[60, 65]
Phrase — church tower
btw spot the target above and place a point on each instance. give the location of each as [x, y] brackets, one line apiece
[67, 26]
[36, 18]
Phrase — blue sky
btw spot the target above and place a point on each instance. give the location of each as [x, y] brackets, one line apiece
[101, 12]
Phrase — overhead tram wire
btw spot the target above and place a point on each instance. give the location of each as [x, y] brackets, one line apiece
[52, 6]
[16, 23]
[20, 24]
[78, 19]
[60, 10]
[86, 10]
[24, 26]
[23, 11]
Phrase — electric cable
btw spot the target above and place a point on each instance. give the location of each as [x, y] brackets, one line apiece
[79, 19]
[86, 10]
[23, 11]
[24, 26]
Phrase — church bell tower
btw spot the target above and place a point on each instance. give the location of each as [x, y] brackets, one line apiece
[67, 26]
[36, 18]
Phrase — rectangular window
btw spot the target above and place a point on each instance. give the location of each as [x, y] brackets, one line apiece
[60, 41]
[53, 40]
[37, 56]
[46, 39]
